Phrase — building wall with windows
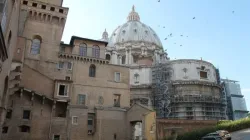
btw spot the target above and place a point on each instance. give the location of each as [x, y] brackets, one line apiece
[9, 12]
[71, 87]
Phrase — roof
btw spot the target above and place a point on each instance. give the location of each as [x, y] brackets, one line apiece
[147, 108]
[81, 38]
[228, 80]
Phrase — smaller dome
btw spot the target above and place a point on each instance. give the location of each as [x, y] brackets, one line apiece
[105, 36]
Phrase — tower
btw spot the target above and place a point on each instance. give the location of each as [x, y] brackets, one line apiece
[41, 26]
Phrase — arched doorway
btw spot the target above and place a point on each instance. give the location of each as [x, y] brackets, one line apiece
[5, 90]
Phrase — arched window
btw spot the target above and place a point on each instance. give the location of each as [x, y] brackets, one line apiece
[92, 70]
[136, 77]
[107, 57]
[123, 59]
[5, 90]
[36, 45]
[83, 49]
[96, 51]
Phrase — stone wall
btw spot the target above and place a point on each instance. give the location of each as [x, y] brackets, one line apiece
[164, 126]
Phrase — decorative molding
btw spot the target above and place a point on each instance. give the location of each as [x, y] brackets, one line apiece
[183, 61]
[83, 58]
[195, 82]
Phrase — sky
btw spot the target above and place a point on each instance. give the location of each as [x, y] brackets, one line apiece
[220, 32]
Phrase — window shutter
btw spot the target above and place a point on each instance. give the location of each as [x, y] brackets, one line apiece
[66, 90]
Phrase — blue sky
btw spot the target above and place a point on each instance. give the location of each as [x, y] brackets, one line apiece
[216, 34]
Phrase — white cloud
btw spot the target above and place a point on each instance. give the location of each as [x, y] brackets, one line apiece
[245, 89]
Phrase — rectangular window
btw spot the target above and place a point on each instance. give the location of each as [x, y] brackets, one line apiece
[74, 120]
[43, 6]
[56, 137]
[5, 129]
[91, 123]
[25, 2]
[81, 99]
[63, 90]
[52, 8]
[60, 65]
[24, 128]
[26, 114]
[203, 74]
[117, 76]
[117, 100]
[69, 66]
[34, 4]
[9, 114]
[61, 10]
[67, 78]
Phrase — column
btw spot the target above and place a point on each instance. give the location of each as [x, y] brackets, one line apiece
[130, 56]
[115, 57]
[112, 57]
[126, 62]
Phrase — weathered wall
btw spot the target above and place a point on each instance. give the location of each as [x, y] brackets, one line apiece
[145, 75]
[164, 126]
[39, 121]
[101, 85]
[192, 71]
[150, 125]
[36, 81]
[10, 37]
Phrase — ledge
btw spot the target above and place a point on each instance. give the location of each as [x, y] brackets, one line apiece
[196, 83]
[83, 58]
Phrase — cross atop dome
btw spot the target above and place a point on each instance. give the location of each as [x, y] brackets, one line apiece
[133, 16]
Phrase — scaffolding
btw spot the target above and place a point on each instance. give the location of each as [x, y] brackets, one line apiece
[169, 102]
[197, 107]
[161, 89]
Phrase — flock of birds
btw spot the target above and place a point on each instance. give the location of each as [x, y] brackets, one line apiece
[171, 34]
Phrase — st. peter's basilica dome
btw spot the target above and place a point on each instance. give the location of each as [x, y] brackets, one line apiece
[134, 31]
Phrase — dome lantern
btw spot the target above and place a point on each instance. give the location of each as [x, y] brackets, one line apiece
[133, 16]
[105, 35]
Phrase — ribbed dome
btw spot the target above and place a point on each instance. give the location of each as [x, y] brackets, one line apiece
[134, 30]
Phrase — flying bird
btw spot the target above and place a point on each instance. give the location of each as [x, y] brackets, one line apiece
[163, 26]
[232, 11]
[193, 17]
[170, 34]
[158, 0]
[166, 38]
[187, 36]
[181, 35]
[180, 45]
